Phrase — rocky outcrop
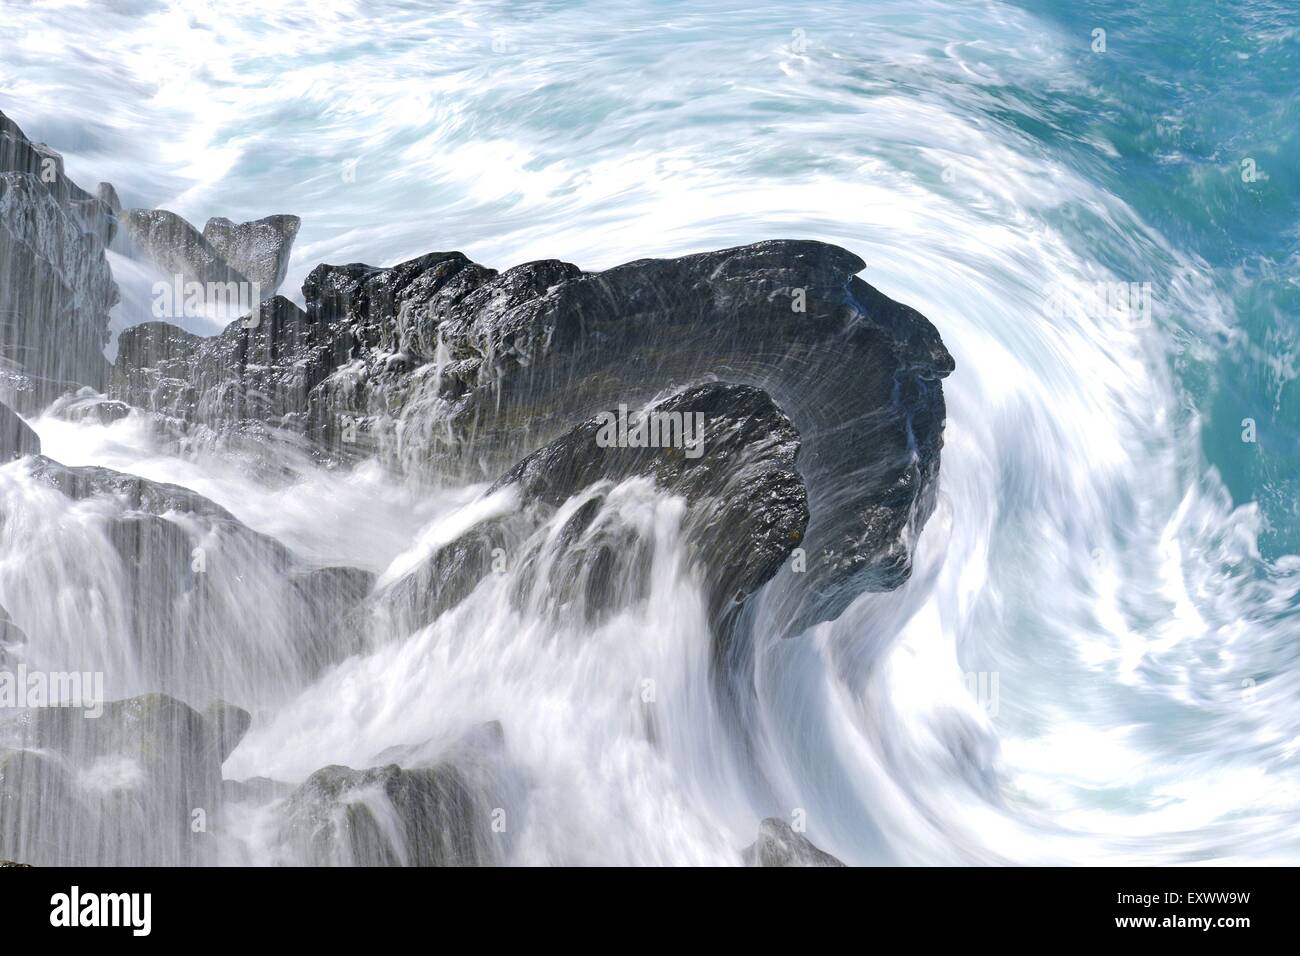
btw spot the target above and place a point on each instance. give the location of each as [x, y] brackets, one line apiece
[17, 440]
[439, 365]
[245, 376]
[259, 249]
[56, 288]
[18, 154]
[746, 509]
[122, 788]
[175, 247]
[332, 598]
[747, 506]
[437, 809]
[779, 845]
[89, 407]
[196, 584]
[387, 816]
[135, 493]
[107, 194]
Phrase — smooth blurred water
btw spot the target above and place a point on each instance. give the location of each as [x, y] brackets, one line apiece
[1106, 543]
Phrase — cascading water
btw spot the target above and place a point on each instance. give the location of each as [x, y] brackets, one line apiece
[1094, 658]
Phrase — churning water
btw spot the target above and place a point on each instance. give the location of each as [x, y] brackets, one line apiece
[1097, 658]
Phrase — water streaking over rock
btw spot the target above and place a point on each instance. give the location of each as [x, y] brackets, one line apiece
[781, 409]
[381, 514]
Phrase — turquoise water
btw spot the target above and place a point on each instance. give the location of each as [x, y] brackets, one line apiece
[1106, 543]
[1186, 94]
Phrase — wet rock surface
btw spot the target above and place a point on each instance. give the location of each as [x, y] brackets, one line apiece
[475, 369]
[259, 249]
[779, 845]
[175, 247]
[56, 288]
[143, 767]
[17, 440]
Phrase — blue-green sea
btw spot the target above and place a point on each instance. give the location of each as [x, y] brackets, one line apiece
[1097, 658]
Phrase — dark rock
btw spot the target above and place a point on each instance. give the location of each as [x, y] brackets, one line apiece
[746, 509]
[17, 440]
[747, 503]
[133, 818]
[107, 194]
[332, 598]
[778, 845]
[387, 816]
[227, 724]
[188, 570]
[478, 369]
[89, 407]
[56, 291]
[18, 154]
[135, 493]
[450, 574]
[10, 864]
[259, 249]
[247, 374]
[176, 247]
[56, 288]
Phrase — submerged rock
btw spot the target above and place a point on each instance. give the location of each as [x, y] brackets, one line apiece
[259, 249]
[11, 639]
[779, 845]
[387, 816]
[17, 440]
[87, 406]
[190, 588]
[256, 790]
[746, 509]
[121, 788]
[333, 598]
[227, 725]
[431, 812]
[135, 493]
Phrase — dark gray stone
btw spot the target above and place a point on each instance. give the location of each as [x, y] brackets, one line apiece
[56, 288]
[176, 247]
[259, 249]
[482, 368]
[387, 816]
[17, 440]
[779, 845]
[107, 194]
[87, 406]
[227, 725]
[145, 817]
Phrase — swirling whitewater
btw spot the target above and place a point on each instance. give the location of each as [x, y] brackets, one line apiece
[1096, 658]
